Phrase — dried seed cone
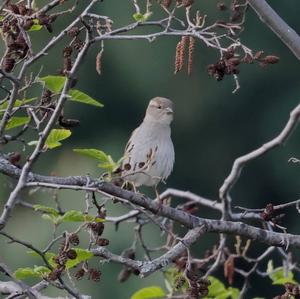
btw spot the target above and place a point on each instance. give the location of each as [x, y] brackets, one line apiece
[71, 254]
[74, 239]
[271, 59]
[102, 242]
[79, 274]
[166, 3]
[187, 3]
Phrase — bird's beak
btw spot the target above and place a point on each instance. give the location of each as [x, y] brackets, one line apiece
[169, 110]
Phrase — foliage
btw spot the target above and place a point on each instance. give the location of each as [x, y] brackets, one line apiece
[54, 138]
[34, 111]
[278, 275]
[106, 161]
[69, 216]
[148, 293]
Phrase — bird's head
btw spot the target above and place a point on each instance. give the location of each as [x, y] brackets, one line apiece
[160, 110]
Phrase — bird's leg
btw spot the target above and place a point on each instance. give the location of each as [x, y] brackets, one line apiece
[129, 186]
[134, 188]
[158, 199]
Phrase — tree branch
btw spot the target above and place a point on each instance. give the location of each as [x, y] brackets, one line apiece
[147, 267]
[188, 220]
[286, 34]
[240, 162]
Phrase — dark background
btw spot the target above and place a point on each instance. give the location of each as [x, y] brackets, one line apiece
[212, 127]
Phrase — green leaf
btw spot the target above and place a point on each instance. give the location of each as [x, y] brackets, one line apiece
[73, 216]
[41, 271]
[36, 26]
[54, 83]
[106, 160]
[82, 255]
[141, 17]
[278, 276]
[172, 275]
[283, 280]
[37, 271]
[46, 209]
[234, 292]
[216, 287]
[22, 273]
[50, 258]
[17, 121]
[81, 97]
[92, 153]
[148, 293]
[17, 104]
[54, 219]
[78, 216]
[55, 136]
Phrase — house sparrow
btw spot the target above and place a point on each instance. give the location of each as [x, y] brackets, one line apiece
[149, 154]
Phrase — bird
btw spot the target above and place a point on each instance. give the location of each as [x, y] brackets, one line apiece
[149, 154]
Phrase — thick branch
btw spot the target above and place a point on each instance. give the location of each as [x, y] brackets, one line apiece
[288, 35]
[188, 220]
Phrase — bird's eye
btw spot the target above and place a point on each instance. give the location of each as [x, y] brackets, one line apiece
[159, 107]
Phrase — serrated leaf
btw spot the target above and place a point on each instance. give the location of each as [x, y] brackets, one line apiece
[138, 17]
[283, 280]
[50, 258]
[73, 216]
[106, 161]
[92, 153]
[107, 165]
[54, 219]
[141, 17]
[36, 26]
[54, 83]
[37, 271]
[17, 121]
[22, 273]
[41, 271]
[82, 255]
[17, 104]
[46, 209]
[81, 97]
[55, 136]
[78, 216]
[148, 293]
[234, 293]
[278, 276]
[216, 287]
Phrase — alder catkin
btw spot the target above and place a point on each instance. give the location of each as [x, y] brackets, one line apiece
[191, 54]
[99, 63]
[179, 56]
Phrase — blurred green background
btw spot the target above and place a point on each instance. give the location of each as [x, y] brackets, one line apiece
[212, 127]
